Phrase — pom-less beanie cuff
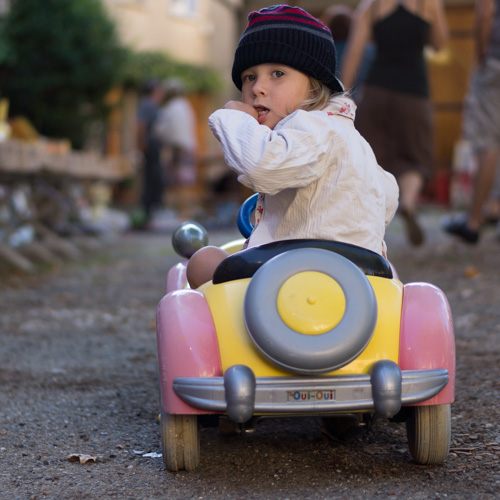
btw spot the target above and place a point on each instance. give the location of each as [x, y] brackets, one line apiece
[290, 36]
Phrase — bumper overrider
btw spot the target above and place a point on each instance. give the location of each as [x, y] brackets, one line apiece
[241, 394]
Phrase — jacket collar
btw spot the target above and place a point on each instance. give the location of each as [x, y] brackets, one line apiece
[341, 105]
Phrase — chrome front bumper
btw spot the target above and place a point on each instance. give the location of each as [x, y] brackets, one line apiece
[241, 394]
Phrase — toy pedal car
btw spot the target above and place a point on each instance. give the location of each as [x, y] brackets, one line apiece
[301, 327]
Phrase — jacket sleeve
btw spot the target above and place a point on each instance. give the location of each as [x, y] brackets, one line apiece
[292, 155]
[391, 190]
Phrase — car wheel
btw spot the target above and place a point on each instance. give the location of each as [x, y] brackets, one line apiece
[180, 441]
[310, 310]
[429, 433]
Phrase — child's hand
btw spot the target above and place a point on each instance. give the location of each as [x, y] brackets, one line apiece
[241, 106]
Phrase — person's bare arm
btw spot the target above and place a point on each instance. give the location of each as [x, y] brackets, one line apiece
[482, 27]
[439, 26]
[359, 36]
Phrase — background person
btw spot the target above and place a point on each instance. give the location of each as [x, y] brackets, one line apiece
[395, 113]
[339, 19]
[153, 177]
[176, 129]
[481, 124]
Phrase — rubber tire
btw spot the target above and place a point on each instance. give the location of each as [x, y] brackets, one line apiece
[180, 440]
[428, 429]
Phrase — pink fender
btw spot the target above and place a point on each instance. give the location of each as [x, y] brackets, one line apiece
[427, 335]
[176, 277]
[187, 345]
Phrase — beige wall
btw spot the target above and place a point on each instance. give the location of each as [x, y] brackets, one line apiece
[204, 38]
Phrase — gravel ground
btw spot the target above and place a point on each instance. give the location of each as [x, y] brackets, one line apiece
[79, 397]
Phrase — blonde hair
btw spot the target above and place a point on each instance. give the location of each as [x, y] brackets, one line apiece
[320, 95]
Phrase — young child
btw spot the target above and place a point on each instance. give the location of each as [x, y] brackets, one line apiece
[292, 139]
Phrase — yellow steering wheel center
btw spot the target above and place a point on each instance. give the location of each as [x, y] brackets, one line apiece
[311, 303]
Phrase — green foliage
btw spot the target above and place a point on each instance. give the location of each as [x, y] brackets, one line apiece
[4, 48]
[142, 65]
[58, 59]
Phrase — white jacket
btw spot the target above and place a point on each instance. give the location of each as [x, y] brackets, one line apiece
[319, 177]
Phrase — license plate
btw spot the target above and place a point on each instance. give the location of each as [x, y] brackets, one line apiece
[310, 396]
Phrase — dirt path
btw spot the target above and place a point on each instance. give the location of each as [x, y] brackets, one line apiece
[79, 384]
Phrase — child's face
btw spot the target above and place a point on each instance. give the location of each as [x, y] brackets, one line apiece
[274, 91]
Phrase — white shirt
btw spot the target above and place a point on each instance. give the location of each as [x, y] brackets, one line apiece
[319, 177]
[176, 124]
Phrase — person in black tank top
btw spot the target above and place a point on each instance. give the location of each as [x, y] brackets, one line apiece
[395, 113]
[399, 65]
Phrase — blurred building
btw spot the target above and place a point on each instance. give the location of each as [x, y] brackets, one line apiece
[205, 32]
[199, 32]
[196, 32]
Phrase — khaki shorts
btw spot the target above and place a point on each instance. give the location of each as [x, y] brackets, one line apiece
[481, 121]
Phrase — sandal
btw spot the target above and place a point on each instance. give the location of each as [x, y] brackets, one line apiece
[458, 226]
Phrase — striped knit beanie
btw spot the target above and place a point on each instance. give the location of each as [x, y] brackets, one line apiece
[290, 36]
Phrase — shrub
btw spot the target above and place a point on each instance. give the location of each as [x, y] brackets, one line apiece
[58, 59]
[160, 65]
